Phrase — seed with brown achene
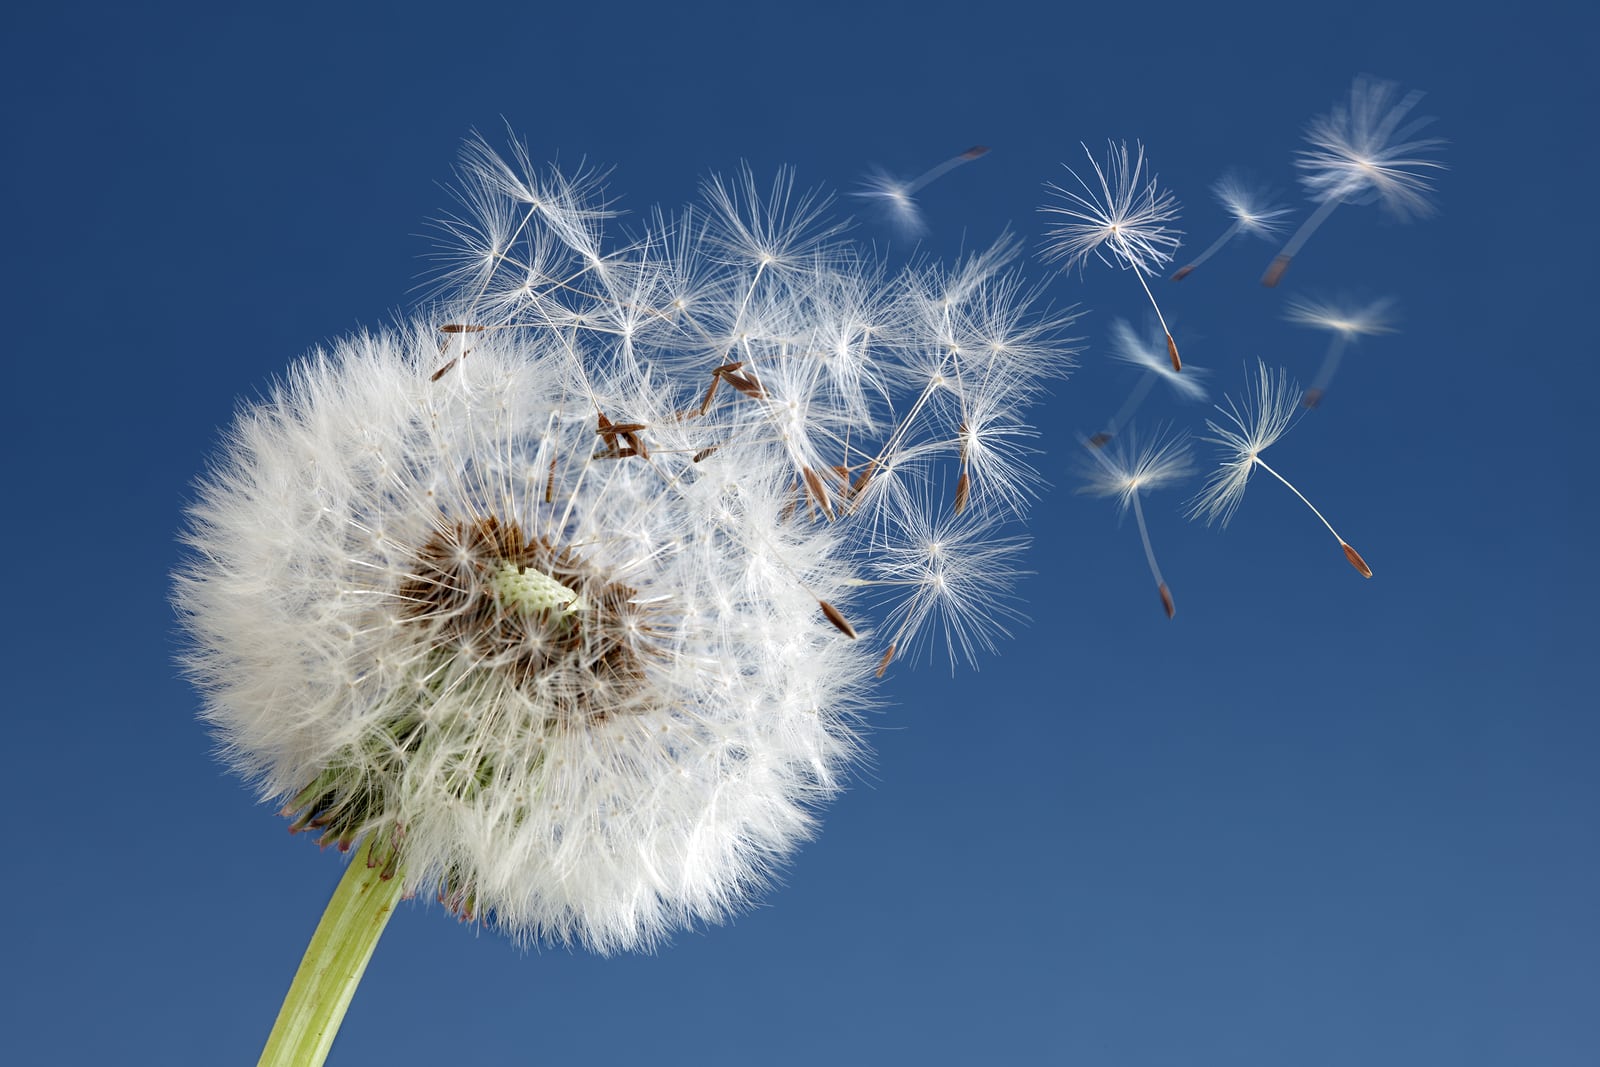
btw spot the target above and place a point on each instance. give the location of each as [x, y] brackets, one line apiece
[1355, 560]
[840, 623]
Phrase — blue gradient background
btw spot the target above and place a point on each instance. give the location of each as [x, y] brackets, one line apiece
[1314, 820]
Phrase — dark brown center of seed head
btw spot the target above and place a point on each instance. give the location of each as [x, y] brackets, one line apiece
[453, 589]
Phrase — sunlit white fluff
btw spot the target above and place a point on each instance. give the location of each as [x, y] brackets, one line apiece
[1252, 212]
[563, 594]
[1347, 322]
[1363, 152]
[1264, 414]
[1148, 353]
[1127, 471]
[1123, 220]
[896, 198]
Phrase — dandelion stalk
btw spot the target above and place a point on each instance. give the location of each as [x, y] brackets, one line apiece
[1141, 390]
[573, 653]
[1172, 346]
[1280, 263]
[1346, 323]
[1349, 553]
[1127, 472]
[1216, 246]
[1150, 558]
[334, 962]
[1330, 363]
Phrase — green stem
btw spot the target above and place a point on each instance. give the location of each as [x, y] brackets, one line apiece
[334, 963]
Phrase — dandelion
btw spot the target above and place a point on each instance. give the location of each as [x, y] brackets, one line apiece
[1251, 211]
[1361, 154]
[555, 603]
[895, 196]
[1127, 471]
[1123, 223]
[1147, 354]
[1347, 324]
[1262, 417]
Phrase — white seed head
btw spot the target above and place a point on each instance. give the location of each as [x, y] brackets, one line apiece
[561, 612]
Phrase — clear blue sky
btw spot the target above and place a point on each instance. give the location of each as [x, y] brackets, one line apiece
[1313, 820]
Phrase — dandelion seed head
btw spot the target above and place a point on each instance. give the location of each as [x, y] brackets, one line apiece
[570, 604]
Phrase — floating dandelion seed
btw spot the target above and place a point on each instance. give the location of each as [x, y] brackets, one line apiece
[1262, 417]
[1361, 154]
[1149, 355]
[1126, 217]
[895, 196]
[960, 574]
[572, 632]
[1252, 214]
[1346, 324]
[1127, 471]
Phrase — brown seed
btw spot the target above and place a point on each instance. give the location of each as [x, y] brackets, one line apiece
[441, 372]
[1166, 600]
[883, 664]
[1172, 353]
[746, 384]
[818, 492]
[1312, 398]
[550, 483]
[703, 453]
[839, 621]
[1181, 273]
[456, 327]
[1355, 560]
[963, 488]
[705, 403]
[1275, 272]
[975, 151]
[1100, 440]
